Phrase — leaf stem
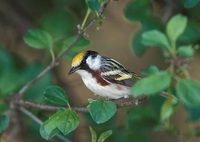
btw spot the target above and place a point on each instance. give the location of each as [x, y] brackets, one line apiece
[173, 50]
[93, 134]
[52, 55]
[69, 106]
[86, 17]
[185, 72]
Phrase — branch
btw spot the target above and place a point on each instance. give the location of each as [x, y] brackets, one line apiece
[37, 120]
[120, 104]
[40, 106]
[81, 32]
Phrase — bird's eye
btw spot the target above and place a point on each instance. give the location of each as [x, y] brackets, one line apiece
[93, 56]
[83, 61]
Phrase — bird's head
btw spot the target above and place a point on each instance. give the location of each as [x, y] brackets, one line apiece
[85, 60]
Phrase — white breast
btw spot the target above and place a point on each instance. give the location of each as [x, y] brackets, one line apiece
[112, 91]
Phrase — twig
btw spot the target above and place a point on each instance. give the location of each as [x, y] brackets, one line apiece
[31, 115]
[40, 106]
[120, 103]
[168, 10]
[81, 32]
[37, 120]
[21, 92]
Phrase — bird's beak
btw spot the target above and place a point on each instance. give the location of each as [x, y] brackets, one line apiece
[73, 69]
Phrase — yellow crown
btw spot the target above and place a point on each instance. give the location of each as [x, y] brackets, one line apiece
[78, 58]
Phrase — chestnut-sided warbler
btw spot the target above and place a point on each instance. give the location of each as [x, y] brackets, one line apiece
[103, 75]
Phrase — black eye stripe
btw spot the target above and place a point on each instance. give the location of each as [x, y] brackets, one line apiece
[93, 56]
[89, 53]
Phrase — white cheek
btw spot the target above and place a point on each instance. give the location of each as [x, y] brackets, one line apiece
[94, 63]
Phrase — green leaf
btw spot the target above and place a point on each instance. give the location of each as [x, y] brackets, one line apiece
[3, 106]
[150, 70]
[79, 46]
[9, 82]
[10, 77]
[194, 113]
[167, 108]
[48, 132]
[155, 38]
[122, 134]
[101, 110]
[175, 27]
[191, 33]
[152, 84]
[94, 5]
[55, 95]
[148, 24]
[38, 38]
[93, 135]
[190, 3]
[64, 121]
[58, 23]
[141, 118]
[6, 60]
[4, 122]
[188, 92]
[104, 136]
[138, 10]
[185, 51]
[137, 46]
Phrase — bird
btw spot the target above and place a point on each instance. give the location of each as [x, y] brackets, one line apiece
[102, 75]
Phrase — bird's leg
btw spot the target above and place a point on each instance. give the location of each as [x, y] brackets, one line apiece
[132, 100]
[141, 100]
[99, 97]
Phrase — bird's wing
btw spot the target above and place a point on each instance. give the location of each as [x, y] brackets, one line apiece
[114, 72]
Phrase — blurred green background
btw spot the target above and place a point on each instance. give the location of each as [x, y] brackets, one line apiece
[118, 36]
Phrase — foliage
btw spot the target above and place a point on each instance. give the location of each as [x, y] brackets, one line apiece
[101, 110]
[160, 40]
[185, 89]
[152, 84]
[188, 92]
[103, 136]
[55, 95]
[63, 121]
[176, 27]
[4, 122]
[40, 39]
[176, 37]
[140, 10]
[190, 3]
[59, 23]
